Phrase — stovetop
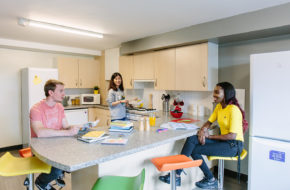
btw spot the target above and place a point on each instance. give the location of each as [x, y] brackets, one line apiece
[142, 109]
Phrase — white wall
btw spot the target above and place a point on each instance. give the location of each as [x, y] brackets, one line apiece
[11, 62]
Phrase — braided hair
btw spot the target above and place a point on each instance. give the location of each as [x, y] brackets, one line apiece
[230, 98]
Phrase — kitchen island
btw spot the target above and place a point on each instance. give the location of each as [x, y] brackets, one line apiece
[87, 162]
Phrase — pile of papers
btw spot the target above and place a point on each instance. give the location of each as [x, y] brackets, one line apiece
[179, 126]
[93, 136]
[121, 126]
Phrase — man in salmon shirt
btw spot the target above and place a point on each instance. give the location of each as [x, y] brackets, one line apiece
[47, 119]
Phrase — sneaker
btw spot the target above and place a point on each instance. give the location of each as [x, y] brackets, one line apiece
[166, 179]
[60, 182]
[41, 187]
[207, 183]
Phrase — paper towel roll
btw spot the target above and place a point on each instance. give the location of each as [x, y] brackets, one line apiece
[200, 110]
[194, 109]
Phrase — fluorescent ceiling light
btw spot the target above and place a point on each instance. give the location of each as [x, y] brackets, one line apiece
[27, 22]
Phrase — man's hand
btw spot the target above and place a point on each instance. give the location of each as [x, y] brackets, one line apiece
[73, 130]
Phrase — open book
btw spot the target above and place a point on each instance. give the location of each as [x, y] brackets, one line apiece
[94, 140]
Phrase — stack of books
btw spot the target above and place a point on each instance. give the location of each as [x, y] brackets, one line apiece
[93, 136]
[121, 126]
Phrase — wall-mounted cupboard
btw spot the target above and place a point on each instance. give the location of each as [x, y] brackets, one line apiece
[78, 72]
[126, 68]
[187, 68]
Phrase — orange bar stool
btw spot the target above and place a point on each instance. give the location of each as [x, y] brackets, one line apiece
[221, 166]
[172, 163]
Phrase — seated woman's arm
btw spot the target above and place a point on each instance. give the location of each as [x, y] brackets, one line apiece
[230, 136]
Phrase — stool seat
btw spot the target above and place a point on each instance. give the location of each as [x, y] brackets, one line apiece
[120, 182]
[168, 163]
[14, 166]
[243, 155]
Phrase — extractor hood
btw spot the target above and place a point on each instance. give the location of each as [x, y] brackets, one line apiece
[141, 84]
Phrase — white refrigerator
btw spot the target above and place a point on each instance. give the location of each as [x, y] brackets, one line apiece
[32, 91]
[269, 153]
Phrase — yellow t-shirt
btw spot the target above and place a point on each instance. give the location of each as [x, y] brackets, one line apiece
[230, 120]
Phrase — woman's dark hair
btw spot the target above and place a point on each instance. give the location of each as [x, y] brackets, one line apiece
[230, 98]
[112, 84]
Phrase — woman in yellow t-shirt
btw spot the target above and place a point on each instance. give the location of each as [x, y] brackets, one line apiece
[231, 119]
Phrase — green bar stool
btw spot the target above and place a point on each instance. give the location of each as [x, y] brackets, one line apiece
[221, 166]
[120, 182]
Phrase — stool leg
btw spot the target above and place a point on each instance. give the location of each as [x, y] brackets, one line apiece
[173, 179]
[31, 181]
[221, 174]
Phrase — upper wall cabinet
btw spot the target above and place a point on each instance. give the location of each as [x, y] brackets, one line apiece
[78, 73]
[144, 66]
[196, 67]
[111, 62]
[126, 68]
[164, 62]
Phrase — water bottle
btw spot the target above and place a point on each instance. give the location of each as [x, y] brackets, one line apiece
[141, 127]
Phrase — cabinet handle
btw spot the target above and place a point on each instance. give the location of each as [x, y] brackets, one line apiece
[155, 82]
[108, 122]
[81, 82]
[76, 83]
[204, 82]
[131, 82]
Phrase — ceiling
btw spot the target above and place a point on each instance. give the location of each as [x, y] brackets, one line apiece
[119, 21]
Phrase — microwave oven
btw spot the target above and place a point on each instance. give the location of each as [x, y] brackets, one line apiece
[90, 99]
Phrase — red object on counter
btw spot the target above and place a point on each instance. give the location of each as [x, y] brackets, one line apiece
[176, 115]
[185, 120]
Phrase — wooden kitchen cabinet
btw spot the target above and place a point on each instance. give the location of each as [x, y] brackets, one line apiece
[144, 66]
[78, 73]
[196, 67]
[164, 62]
[102, 114]
[126, 68]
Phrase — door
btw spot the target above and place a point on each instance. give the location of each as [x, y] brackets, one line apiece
[164, 62]
[144, 66]
[270, 105]
[68, 71]
[100, 114]
[89, 73]
[126, 69]
[191, 67]
[269, 166]
[76, 116]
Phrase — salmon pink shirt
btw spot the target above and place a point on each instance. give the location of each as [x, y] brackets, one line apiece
[50, 117]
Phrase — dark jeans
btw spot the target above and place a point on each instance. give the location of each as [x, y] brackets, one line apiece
[210, 148]
[44, 179]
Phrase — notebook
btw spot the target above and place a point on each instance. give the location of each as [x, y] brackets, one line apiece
[93, 135]
[94, 140]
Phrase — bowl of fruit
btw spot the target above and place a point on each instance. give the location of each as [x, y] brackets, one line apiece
[176, 114]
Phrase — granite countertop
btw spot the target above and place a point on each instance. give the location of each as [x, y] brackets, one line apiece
[70, 154]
